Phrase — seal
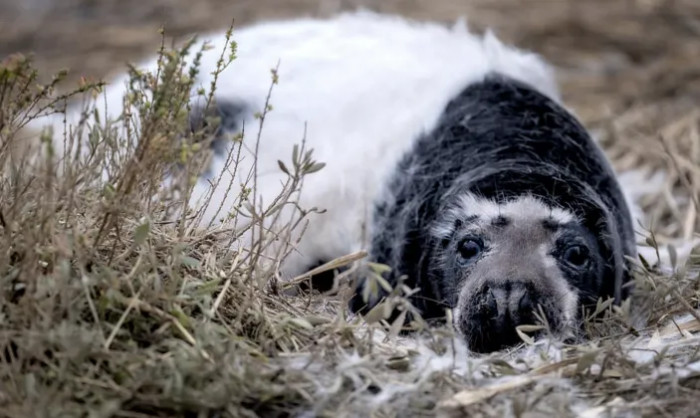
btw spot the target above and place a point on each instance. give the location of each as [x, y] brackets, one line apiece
[448, 154]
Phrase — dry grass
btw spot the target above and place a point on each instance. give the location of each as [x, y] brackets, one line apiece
[109, 307]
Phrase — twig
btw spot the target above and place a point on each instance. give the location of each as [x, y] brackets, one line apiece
[331, 265]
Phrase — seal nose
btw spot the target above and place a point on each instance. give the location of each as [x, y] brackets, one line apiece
[502, 306]
[508, 304]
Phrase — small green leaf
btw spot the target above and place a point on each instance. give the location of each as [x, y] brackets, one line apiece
[301, 323]
[526, 338]
[399, 363]
[295, 154]
[382, 282]
[644, 262]
[586, 361]
[190, 262]
[602, 306]
[504, 368]
[183, 319]
[108, 191]
[531, 328]
[141, 232]
[377, 313]
[379, 268]
[317, 320]
[282, 167]
[397, 325]
[315, 167]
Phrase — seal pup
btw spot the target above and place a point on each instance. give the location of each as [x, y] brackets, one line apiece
[447, 154]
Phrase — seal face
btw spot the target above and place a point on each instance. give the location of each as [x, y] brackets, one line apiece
[499, 262]
[507, 213]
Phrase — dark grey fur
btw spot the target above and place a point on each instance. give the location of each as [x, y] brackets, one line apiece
[502, 140]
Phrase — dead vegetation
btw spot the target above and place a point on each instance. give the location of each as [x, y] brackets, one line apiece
[113, 303]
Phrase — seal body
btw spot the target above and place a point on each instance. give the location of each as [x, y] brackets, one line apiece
[447, 154]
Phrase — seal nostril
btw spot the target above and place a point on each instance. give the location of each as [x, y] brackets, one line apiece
[525, 305]
[491, 304]
[488, 306]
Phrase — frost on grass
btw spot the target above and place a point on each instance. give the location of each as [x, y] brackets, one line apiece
[115, 301]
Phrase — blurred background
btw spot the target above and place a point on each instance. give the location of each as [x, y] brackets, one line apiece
[629, 68]
[632, 48]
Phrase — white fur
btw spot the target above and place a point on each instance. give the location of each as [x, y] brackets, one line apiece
[523, 208]
[366, 85]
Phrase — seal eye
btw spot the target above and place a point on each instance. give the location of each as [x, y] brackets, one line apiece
[470, 248]
[576, 256]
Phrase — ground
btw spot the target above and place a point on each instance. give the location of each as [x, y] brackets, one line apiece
[80, 342]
